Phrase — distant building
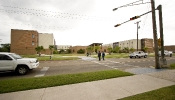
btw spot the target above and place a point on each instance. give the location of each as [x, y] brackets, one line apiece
[108, 45]
[115, 44]
[145, 42]
[74, 49]
[170, 48]
[64, 47]
[25, 41]
[46, 40]
[130, 44]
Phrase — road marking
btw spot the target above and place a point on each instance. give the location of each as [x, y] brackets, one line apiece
[151, 66]
[42, 72]
[114, 62]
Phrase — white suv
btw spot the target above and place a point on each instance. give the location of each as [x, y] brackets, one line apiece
[138, 54]
[14, 62]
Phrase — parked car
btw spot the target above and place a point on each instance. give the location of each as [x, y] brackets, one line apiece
[14, 62]
[138, 54]
[166, 53]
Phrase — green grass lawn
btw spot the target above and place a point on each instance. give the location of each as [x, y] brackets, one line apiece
[54, 57]
[172, 66]
[166, 93]
[13, 85]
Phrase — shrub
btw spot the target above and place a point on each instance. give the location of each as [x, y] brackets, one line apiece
[81, 51]
[55, 52]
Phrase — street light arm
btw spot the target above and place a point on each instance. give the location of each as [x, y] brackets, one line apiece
[127, 5]
[131, 4]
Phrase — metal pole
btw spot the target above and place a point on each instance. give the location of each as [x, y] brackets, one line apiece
[163, 60]
[157, 66]
[137, 32]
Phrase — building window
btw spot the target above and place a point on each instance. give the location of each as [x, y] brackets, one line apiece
[33, 36]
[33, 43]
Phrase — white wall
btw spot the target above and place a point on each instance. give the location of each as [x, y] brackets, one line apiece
[63, 47]
[130, 44]
[45, 40]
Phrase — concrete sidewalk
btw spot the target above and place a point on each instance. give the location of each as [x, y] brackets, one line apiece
[110, 89]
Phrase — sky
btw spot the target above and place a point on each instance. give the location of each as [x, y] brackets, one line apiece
[82, 22]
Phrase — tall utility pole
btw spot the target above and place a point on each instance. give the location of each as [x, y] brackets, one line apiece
[157, 66]
[163, 59]
[137, 32]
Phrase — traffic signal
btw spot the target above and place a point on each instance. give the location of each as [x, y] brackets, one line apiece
[135, 17]
[159, 42]
[117, 25]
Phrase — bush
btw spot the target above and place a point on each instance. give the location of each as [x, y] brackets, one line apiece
[81, 51]
[55, 52]
[68, 50]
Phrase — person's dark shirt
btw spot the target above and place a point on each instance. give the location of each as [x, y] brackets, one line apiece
[99, 54]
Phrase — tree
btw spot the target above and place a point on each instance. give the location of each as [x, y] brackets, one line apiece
[51, 47]
[97, 48]
[109, 49]
[126, 49]
[5, 47]
[61, 51]
[117, 49]
[68, 50]
[81, 51]
[39, 49]
[131, 49]
[89, 49]
[145, 49]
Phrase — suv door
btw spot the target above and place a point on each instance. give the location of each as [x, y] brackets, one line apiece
[6, 62]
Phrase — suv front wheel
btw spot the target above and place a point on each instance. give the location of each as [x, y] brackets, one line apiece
[22, 70]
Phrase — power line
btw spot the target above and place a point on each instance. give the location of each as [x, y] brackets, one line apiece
[60, 14]
[37, 26]
[148, 6]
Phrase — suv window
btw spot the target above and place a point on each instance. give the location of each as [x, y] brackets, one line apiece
[5, 57]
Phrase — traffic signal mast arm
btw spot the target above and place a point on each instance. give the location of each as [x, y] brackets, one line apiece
[133, 18]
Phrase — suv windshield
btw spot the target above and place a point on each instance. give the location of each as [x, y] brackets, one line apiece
[15, 56]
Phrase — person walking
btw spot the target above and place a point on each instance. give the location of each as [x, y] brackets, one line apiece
[99, 55]
[103, 55]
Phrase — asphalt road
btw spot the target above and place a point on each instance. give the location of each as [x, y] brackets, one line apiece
[48, 68]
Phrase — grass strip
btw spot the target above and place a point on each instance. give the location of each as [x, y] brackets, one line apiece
[166, 93]
[13, 85]
[172, 66]
[47, 58]
[56, 58]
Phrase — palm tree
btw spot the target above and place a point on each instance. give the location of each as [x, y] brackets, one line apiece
[51, 47]
[39, 49]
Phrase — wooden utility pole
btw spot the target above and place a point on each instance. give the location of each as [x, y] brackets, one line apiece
[137, 32]
[163, 59]
[157, 66]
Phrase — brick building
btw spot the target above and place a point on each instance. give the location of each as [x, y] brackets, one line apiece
[74, 49]
[170, 48]
[25, 41]
[145, 42]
